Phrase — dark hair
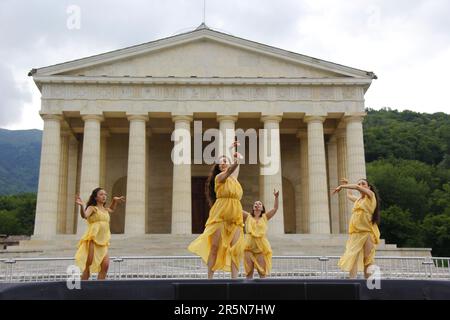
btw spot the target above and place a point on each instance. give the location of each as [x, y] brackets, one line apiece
[376, 217]
[262, 211]
[211, 182]
[92, 201]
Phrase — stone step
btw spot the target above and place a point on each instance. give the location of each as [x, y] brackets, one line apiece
[171, 245]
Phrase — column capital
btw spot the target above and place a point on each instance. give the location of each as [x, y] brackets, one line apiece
[340, 133]
[332, 140]
[302, 134]
[105, 133]
[51, 116]
[66, 132]
[182, 118]
[314, 118]
[137, 117]
[354, 117]
[97, 117]
[223, 117]
[271, 118]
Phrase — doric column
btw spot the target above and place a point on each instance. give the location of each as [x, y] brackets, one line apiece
[104, 135]
[333, 181]
[227, 134]
[90, 161]
[344, 205]
[356, 163]
[63, 177]
[181, 157]
[47, 197]
[270, 172]
[72, 160]
[135, 209]
[303, 220]
[319, 221]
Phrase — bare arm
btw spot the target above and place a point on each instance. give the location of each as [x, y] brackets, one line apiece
[245, 214]
[221, 177]
[235, 144]
[272, 212]
[83, 213]
[367, 192]
[114, 203]
[350, 195]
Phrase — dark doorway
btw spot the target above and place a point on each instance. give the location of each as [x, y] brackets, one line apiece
[200, 208]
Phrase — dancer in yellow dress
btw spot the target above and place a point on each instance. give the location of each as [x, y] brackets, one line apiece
[221, 244]
[92, 254]
[257, 250]
[363, 230]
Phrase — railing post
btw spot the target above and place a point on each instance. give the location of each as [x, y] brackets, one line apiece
[324, 266]
[428, 263]
[10, 263]
[117, 262]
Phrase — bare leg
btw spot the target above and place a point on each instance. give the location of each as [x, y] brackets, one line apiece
[368, 246]
[104, 268]
[86, 273]
[215, 239]
[234, 268]
[262, 263]
[249, 262]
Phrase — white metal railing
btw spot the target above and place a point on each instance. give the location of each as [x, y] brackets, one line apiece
[191, 267]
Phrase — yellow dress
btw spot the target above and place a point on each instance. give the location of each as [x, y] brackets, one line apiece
[225, 215]
[257, 244]
[98, 231]
[360, 228]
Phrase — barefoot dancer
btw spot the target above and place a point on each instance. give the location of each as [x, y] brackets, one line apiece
[258, 252]
[221, 244]
[363, 228]
[92, 254]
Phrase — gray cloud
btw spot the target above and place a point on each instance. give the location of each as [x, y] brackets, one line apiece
[12, 97]
[381, 35]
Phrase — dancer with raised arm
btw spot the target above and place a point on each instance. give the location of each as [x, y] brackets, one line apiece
[221, 244]
[92, 254]
[363, 230]
[257, 250]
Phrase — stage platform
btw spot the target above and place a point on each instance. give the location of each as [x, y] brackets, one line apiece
[258, 289]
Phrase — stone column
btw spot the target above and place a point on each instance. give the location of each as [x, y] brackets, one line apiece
[47, 197]
[344, 204]
[319, 221]
[72, 166]
[270, 173]
[136, 184]
[333, 182]
[181, 157]
[227, 131]
[303, 220]
[356, 163]
[90, 161]
[104, 134]
[63, 177]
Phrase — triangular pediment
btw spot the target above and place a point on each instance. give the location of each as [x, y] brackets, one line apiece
[203, 53]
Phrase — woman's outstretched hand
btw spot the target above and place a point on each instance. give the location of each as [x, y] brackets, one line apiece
[119, 199]
[235, 144]
[237, 155]
[339, 188]
[78, 200]
[276, 193]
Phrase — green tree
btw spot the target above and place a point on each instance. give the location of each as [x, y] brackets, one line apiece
[397, 226]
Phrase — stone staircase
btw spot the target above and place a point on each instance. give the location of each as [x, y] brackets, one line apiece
[173, 245]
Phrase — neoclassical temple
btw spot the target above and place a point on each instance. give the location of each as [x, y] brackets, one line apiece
[108, 121]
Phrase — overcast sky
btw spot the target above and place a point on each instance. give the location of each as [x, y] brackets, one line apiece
[405, 42]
